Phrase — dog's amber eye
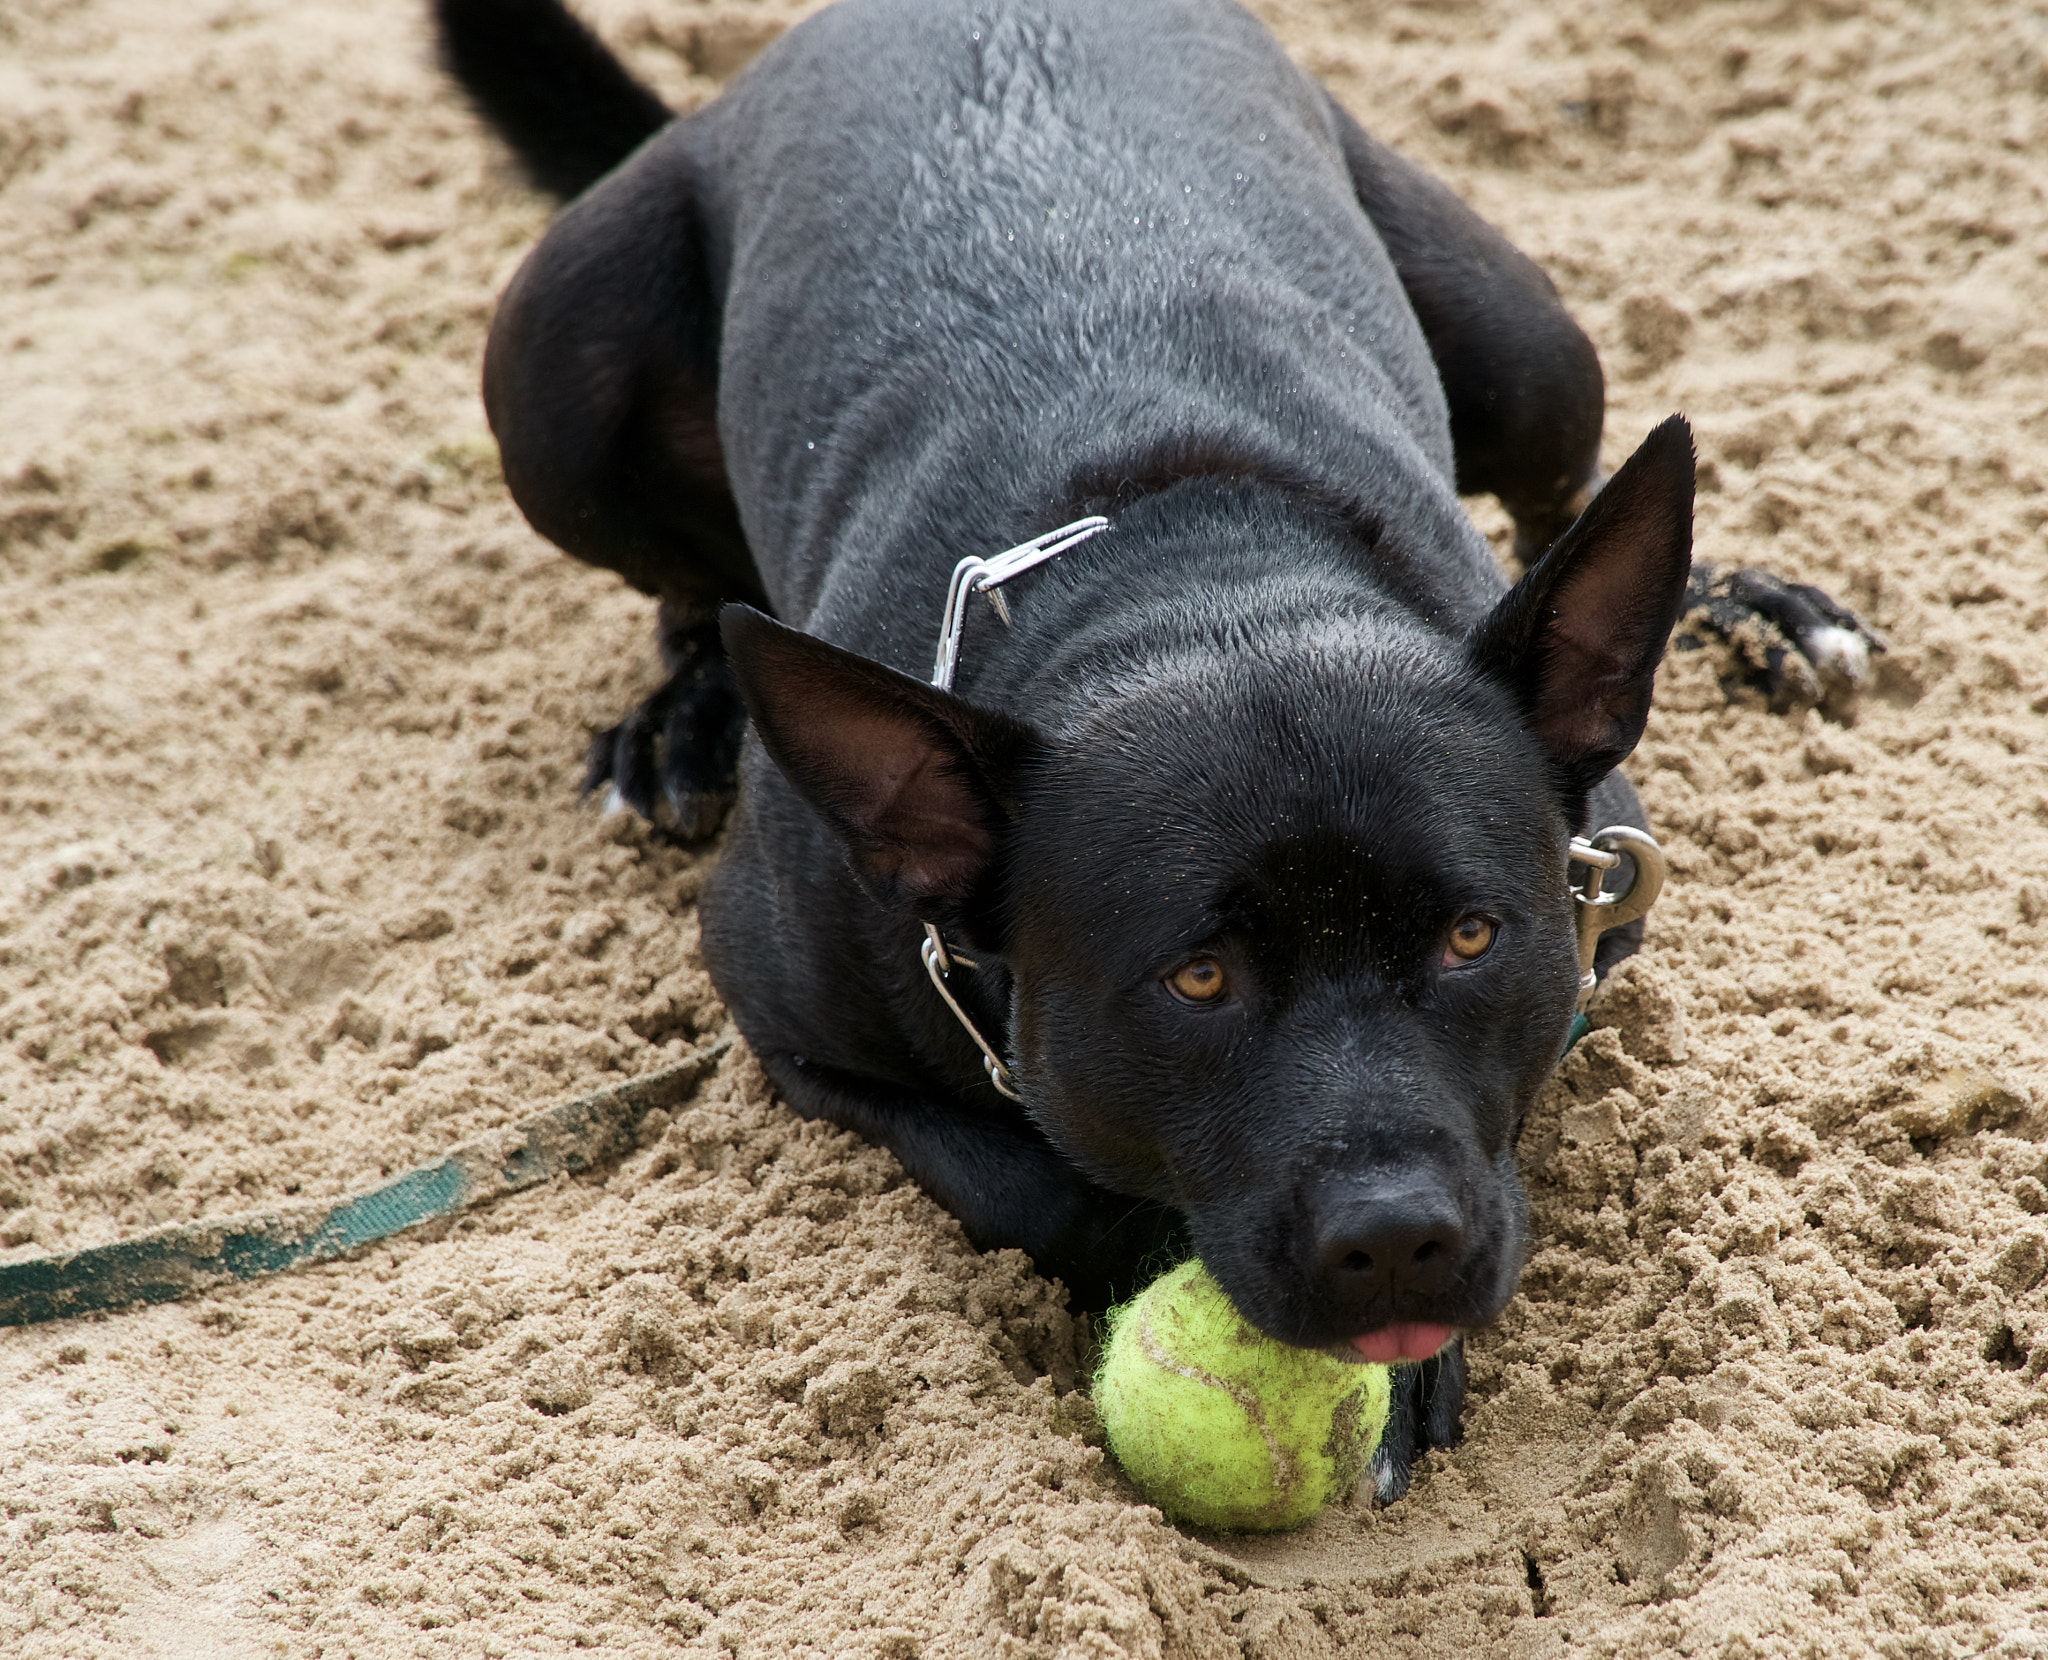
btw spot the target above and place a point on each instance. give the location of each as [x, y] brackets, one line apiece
[1200, 981]
[1470, 936]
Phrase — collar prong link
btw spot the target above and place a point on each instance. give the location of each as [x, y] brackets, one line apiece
[974, 575]
[938, 964]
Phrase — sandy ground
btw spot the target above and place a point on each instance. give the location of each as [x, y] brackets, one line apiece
[294, 891]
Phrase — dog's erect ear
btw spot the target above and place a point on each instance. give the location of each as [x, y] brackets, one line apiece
[917, 781]
[1579, 638]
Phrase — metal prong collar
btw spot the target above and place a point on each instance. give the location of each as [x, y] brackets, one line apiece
[975, 575]
[938, 963]
[986, 576]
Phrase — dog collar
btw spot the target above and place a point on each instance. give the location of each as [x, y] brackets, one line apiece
[1598, 910]
[974, 575]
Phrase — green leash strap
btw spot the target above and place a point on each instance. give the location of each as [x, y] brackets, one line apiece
[173, 1262]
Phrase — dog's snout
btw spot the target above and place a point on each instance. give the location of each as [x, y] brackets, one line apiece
[1390, 1244]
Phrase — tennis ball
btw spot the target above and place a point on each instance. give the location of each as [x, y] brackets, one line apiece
[1222, 1427]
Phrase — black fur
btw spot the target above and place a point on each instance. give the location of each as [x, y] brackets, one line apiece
[932, 277]
[570, 110]
[1793, 642]
[673, 758]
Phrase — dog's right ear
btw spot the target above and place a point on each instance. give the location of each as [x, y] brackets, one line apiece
[917, 781]
[1578, 639]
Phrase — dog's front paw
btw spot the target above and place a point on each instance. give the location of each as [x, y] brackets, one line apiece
[1797, 644]
[1427, 1411]
[675, 759]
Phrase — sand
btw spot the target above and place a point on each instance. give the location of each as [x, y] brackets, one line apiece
[294, 892]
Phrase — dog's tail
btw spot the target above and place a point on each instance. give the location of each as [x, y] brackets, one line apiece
[570, 110]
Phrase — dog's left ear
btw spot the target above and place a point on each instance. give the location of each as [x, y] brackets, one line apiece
[918, 782]
[1578, 639]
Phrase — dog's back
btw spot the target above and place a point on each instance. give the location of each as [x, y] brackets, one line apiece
[989, 255]
[1018, 247]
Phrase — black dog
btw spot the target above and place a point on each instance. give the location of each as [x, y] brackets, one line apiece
[1252, 822]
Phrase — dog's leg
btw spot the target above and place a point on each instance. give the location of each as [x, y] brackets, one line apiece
[920, 787]
[1527, 398]
[601, 384]
[601, 379]
[1000, 1178]
[1428, 1402]
[1523, 382]
[681, 747]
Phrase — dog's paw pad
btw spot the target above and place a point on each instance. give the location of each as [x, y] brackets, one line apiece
[1797, 643]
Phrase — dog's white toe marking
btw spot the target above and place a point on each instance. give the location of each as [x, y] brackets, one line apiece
[1840, 654]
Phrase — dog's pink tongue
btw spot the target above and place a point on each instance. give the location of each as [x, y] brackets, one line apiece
[1407, 1340]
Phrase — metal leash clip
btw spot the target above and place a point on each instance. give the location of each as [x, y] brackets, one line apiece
[1599, 910]
[974, 575]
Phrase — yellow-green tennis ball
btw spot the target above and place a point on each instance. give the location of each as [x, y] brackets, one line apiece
[1222, 1427]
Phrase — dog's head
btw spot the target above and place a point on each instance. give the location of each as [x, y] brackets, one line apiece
[1289, 940]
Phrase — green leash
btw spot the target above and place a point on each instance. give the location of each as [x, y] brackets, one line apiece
[173, 1262]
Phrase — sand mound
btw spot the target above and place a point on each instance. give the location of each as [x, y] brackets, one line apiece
[294, 894]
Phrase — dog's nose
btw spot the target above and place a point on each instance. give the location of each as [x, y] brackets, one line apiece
[1404, 1242]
